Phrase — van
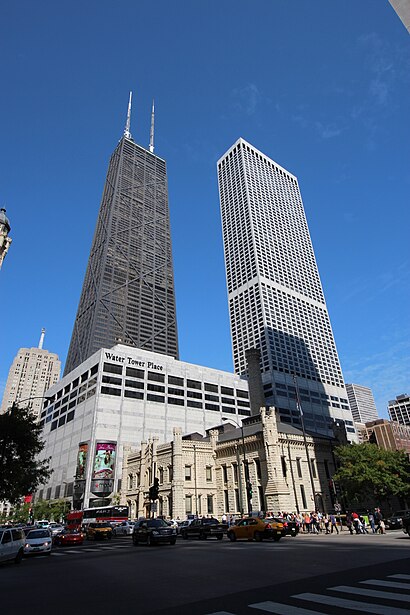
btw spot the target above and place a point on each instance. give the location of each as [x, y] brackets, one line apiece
[12, 541]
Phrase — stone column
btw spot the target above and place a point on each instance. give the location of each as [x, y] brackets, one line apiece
[277, 492]
[178, 479]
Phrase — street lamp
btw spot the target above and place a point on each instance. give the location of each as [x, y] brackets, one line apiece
[21, 401]
[299, 406]
[248, 485]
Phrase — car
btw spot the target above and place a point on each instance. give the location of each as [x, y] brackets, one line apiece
[253, 528]
[395, 522]
[124, 528]
[406, 523]
[153, 531]
[99, 530]
[42, 523]
[203, 528]
[290, 528]
[69, 537]
[12, 541]
[183, 524]
[55, 528]
[38, 540]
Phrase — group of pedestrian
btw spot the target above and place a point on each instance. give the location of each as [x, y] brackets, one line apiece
[360, 525]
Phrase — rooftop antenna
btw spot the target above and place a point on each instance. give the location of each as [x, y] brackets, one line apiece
[151, 132]
[127, 133]
[41, 342]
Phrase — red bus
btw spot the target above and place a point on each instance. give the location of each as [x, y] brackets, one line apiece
[115, 514]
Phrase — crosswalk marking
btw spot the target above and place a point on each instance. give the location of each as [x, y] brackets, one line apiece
[57, 554]
[90, 550]
[392, 584]
[282, 609]
[365, 607]
[373, 593]
[399, 576]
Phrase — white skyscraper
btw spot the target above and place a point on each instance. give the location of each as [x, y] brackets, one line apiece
[32, 372]
[399, 409]
[361, 403]
[276, 301]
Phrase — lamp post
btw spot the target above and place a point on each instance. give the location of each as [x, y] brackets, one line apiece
[299, 406]
[248, 485]
[21, 401]
[195, 484]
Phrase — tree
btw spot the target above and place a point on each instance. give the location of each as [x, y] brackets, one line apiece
[367, 471]
[20, 443]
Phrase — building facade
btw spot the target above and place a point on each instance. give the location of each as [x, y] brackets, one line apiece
[117, 398]
[388, 435]
[5, 240]
[276, 301]
[128, 292]
[361, 403]
[399, 409]
[205, 475]
[31, 374]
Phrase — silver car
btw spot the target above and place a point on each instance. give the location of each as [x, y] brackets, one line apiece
[124, 528]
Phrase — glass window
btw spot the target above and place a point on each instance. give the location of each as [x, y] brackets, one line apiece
[194, 384]
[176, 380]
[208, 473]
[212, 388]
[135, 373]
[111, 368]
[155, 377]
[188, 473]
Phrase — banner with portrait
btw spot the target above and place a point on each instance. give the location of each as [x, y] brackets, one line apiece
[104, 460]
[81, 460]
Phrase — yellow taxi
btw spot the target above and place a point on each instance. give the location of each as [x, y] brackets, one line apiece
[253, 528]
[99, 530]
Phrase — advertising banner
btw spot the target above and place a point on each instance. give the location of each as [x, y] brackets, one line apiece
[104, 460]
[102, 487]
[81, 460]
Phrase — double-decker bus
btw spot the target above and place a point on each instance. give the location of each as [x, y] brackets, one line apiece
[115, 514]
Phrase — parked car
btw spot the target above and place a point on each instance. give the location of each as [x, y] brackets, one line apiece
[69, 537]
[99, 530]
[124, 528]
[153, 531]
[253, 528]
[395, 522]
[12, 541]
[38, 540]
[203, 528]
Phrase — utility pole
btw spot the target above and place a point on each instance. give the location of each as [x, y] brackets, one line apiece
[304, 438]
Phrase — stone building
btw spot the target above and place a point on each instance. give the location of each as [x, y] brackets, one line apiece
[211, 474]
[388, 435]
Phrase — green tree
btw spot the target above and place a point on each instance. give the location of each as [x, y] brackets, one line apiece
[367, 471]
[20, 443]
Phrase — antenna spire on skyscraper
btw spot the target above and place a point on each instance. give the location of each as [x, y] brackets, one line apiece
[127, 132]
[41, 342]
[151, 133]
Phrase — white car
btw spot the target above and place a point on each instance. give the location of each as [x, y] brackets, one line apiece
[124, 528]
[55, 528]
[38, 541]
[12, 543]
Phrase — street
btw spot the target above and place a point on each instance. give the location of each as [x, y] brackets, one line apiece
[297, 576]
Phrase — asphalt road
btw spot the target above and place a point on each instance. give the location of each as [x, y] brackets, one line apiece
[209, 577]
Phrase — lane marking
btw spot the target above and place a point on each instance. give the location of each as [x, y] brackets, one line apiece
[399, 576]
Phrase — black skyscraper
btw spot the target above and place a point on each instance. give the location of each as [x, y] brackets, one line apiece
[128, 292]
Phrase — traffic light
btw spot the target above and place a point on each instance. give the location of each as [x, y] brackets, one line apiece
[249, 489]
[154, 490]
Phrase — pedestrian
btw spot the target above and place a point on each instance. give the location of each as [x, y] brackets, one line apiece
[370, 516]
[349, 522]
[382, 527]
[326, 521]
[378, 517]
[333, 524]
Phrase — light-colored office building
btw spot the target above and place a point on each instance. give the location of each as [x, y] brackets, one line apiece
[361, 403]
[276, 301]
[205, 475]
[119, 397]
[402, 8]
[399, 409]
[33, 371]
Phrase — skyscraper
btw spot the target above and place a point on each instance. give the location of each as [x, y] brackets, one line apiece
[276, 301]
[361, 403]
[32, 372]
[399, 409]
[128, 291]
[5, 240]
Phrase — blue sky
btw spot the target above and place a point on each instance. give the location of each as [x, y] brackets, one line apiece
[321, 87]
